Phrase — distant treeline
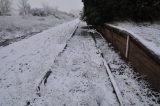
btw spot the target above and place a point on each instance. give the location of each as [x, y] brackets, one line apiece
[97, 12]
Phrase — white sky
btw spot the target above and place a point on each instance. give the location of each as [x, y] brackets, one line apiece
[64, 5]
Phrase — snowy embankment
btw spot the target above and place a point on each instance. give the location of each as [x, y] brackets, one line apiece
[12, 27]
[23, 63]
[148, 34]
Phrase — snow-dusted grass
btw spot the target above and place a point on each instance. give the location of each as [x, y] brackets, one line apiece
[147, 33]
[24, 63]
[17, 26]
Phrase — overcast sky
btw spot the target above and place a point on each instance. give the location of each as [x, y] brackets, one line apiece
[64, 5]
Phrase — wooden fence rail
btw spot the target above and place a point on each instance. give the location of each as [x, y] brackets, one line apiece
[143, 59]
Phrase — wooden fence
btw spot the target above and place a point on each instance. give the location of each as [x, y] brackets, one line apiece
[143, 60]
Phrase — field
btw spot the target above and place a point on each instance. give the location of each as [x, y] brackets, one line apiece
[13, 28]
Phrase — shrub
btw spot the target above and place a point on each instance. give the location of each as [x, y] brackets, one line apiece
[97, 12]
[38, 12]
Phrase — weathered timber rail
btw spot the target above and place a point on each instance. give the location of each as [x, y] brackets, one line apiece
[145, 61]
[109, 73]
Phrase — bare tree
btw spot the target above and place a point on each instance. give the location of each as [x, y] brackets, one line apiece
[5, 6]
[47, 9]
[24, 7]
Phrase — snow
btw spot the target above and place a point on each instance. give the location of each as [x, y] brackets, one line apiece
[135, 91]
[54, 68]
[23, 63]
[147, 33]
[111, 77]
[79, 77]
[16, 26]
[118, 93]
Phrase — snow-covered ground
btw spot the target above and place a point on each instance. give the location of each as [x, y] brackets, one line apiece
[24, 63]
[147, 33]
[135, 91]
[54, 68]
[12, 27]
[78, 77]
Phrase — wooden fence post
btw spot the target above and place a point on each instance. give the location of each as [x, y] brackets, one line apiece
[127, 46]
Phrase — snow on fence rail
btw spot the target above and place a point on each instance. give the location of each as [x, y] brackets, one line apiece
[144, 60]
[109, 73]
